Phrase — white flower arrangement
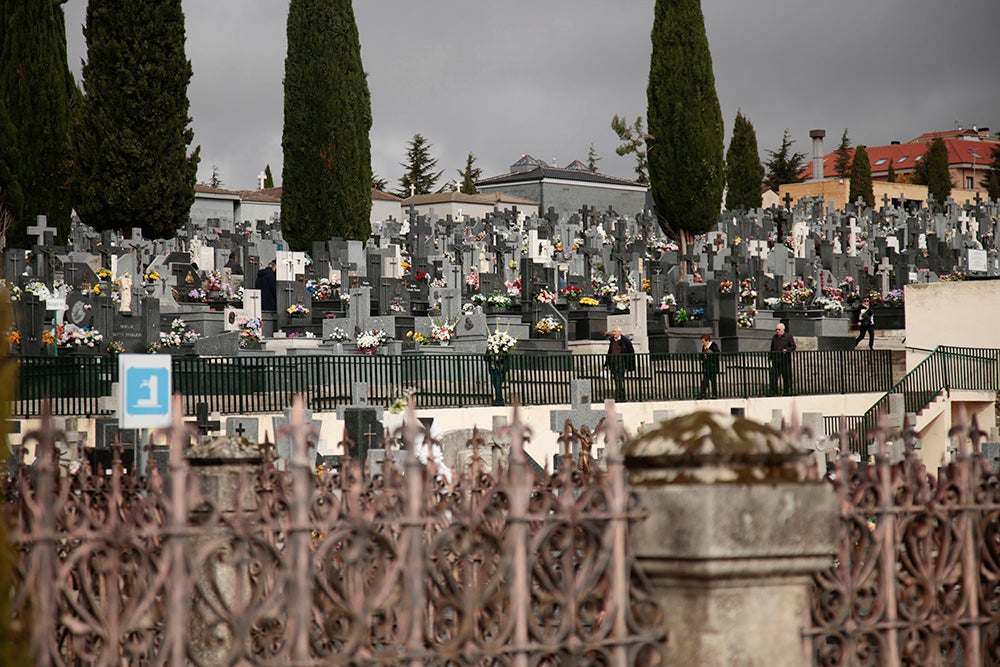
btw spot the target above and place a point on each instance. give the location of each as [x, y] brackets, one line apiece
[830, 306]
[620, 301]
[338, 335]
[499, 343]
[369, 341]
[667, 301]
[39, 289]
[178, 334]
[73, 336]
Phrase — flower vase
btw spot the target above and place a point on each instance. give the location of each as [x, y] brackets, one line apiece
[444, 343]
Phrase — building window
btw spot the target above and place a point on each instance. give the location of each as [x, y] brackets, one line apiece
[969, 185]
[903, 159]
[880, 162]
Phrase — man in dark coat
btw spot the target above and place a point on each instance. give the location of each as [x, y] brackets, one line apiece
[267, 283]
[234, 265]
[866, 323]
[709, 366]
[782, 346]
[620, 360]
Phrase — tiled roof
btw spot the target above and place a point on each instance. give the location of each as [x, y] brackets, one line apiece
[384, 196]
[265, 196]
[482, 199]
[904, 157]
[540, 172]
[209, 190]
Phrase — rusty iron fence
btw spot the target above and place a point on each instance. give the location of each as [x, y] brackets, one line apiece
[303, 568]
[917, 575]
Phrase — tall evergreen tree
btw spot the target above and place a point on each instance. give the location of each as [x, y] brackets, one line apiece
[842, 165]
[992, 170]
[36, 87]
[216, 179]
[592, 159]
[932, 171]
[11, 197]
[268, 178]
[419, 177]
[890, 174]
[379, 183]
[633, 138]
[861, 177]
[686, 168]
[744, 172]
[132, 137]
[993, 187]
[326, 179]
[784, 166]
[469, 176]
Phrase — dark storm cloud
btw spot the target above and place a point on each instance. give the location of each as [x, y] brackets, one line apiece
[545, 76]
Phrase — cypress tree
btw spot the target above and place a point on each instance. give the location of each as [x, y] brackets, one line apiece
[784, 166]
[268, 178]
[469, 176]
[36, 88]
[592, 159]
[327, 175]
[686, 168]
[11, 197]
[842, 165]
[744, 172]
[992, 170]
[861, 177]
[932, 171]
[890, 174]
[132, 136]
[419, 168]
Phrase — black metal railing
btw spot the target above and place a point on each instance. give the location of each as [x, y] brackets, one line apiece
[259, 384]
[944, 369]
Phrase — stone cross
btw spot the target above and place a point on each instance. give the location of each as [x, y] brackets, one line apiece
[884, 269]
[581, 412]
[44, 235]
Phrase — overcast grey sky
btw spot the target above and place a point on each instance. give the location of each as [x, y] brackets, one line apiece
[545, 77]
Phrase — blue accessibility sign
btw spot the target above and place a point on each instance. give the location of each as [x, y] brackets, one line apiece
[145, 391]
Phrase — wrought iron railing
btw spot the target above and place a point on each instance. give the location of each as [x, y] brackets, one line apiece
[260, 384]
[917, 574]
[226, 564]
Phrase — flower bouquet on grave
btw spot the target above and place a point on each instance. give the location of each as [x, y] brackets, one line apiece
[151, 277]
[297, 311]
[571, 293]
[726, 287]
[745, 319]
[214, 282]
[13, 337]
[196, 294]
[115, 347]
[104, 273]
[500, 343]
[369, 341]
[73, 336]
[39, 289]
[417, 337]
[338, 335]
[499, 300]
[620, 301]
[545, 296]
[681, 316]
[178, 335]
[589, 302]
[396, 306]
[322, 289]
[667, 301]
[442, 331]
[748, 294]
[513, 288]
[548, 325]
[472, 280]
[251, 332]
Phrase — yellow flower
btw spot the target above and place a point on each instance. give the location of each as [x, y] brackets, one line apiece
[97, 289]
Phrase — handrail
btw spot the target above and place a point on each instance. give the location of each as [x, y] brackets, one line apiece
[922, 396]
[266, 383]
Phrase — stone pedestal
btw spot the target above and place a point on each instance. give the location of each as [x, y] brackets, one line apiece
[734, 534]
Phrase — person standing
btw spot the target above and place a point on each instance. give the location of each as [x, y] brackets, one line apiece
[234, 265]
[267, 283]
[782, 346]
[866, 323]
[709, 366]
[620, 360]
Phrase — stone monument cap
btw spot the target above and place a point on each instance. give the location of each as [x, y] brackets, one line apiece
[710, 448]
[224, 449]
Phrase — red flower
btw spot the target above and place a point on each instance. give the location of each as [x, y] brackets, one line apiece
[421, 275]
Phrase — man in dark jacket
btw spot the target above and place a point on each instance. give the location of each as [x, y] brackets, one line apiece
[234, 265]
[709, 366]
[267, 283]
[866, 323]
[782, 346]
[620, 359]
